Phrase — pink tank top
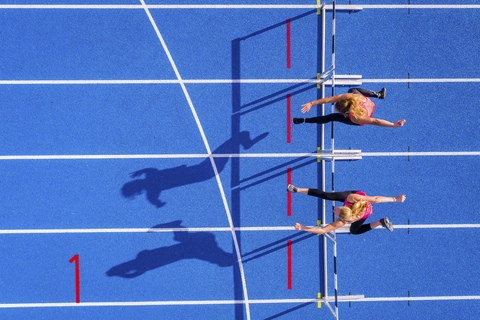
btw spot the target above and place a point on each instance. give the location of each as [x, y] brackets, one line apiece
[367, 211]
[369, 106]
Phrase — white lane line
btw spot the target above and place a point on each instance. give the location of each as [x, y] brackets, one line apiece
[338, 154]
[158, 156]
[212, 160]
[353, 298]
[424, 80]
[436, 226]
[218, 229]
[408, 6]
[409, 154]
[160, 6]
[233, 81]
[143, 230]
[346, 229]
[160, 81]
[173, 81]
[240, 6]
[433, 298]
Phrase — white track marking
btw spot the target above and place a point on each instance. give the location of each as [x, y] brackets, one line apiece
[220, 229]
[433, 298]
[226, 6]
[435, 226]
[346, 229]
[172, 81]
[144, 230]
[424, 80]
[353, 298]
[411, 154]
[235, 81]
[237, 155]
[157, 156]
[159, 6]
[212, 161]
[406, 6]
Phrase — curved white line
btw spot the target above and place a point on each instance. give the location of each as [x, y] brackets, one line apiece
[217, 176]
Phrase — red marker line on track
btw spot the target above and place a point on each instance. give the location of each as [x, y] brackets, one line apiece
[289, 264]
[288, 43]
[289, 194]
[289, 129]
[77, 277]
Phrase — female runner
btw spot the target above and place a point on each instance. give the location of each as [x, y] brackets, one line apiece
[354, 107]
[357, 207]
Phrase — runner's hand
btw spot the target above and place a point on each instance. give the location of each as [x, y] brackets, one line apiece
[298, 226]
[306, 107]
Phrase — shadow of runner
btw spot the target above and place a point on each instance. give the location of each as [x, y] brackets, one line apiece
[192, 245]
[155, 181]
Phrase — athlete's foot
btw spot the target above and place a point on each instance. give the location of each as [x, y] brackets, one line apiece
[298, 120]
[291, 188]
[381, 94]
[386, 224]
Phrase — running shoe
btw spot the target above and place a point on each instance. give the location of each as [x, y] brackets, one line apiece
[387, 224]
[292, 188]
[382, 93]
[298, 120]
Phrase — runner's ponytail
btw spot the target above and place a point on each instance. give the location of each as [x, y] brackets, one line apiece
[350, 105]
[358, 208]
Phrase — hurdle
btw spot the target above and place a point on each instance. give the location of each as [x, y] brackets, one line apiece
[329, 77]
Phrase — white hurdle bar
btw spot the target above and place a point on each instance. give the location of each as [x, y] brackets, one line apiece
[335, 154]
[335, 278]
[332, 155]
[322, 147]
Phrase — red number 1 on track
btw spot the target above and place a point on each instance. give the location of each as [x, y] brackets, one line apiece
[77, 278]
